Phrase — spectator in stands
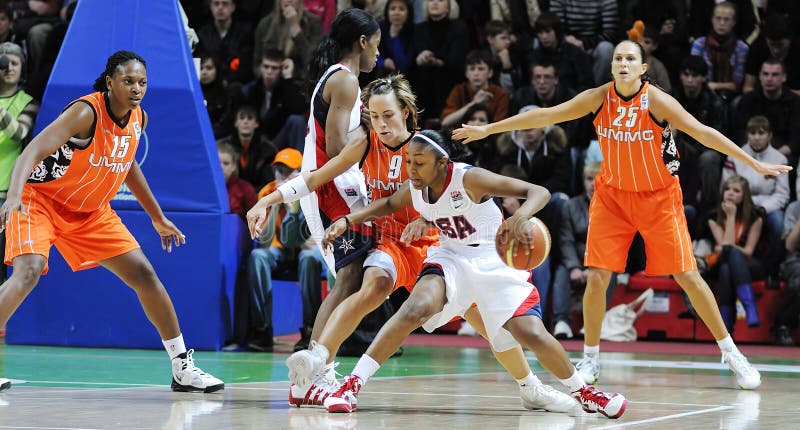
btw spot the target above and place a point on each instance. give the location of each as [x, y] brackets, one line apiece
[736, 229]
[219, 103]
[669, 19]
[374, 7]
[747, 18]
[38, 77]
[591, 25]
[441, 48]
[291, 29]
[786, 319]
[775, 43]
[7, 33]
[17, 114]
[324, 9]
[481, 153]
[520, 15]
[257, 152]
[655, 68]
[574, 66]
[397, 37]
[771, 193]
[701, 167]
[229, 41]
[241, 195]
[33, 21]
[573, 225]
[477, 89]
[278, 100]
[723, 52]
[781, 107]
[509, 73]
[277, 244]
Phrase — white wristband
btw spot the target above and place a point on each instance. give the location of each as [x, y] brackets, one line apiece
[294, 189]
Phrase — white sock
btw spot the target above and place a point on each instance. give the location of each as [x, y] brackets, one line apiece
[727, 345]
[574, 382]
[591, 351]
[320, 350]
[174, 347]
[529, 380]
[366, 367]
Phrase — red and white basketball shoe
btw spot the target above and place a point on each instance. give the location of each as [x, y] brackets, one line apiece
[345, 399]
[593, 400]
[321, 387]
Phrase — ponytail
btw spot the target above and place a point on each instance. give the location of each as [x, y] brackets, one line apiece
[328, 52]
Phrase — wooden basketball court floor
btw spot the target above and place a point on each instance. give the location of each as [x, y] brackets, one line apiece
[426, 388]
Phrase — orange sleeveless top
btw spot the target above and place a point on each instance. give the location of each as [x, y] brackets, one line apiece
[86, 178]
[639, 153]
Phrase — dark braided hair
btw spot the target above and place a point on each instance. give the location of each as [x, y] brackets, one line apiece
[348, 26]
[116, 59]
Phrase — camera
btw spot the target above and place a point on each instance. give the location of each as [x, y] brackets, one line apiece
[3, 62]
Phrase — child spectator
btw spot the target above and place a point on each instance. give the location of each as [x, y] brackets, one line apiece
[255, 149]
[477, 89]
[241, 195]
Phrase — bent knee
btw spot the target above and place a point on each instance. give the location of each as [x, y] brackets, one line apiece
[416, 312]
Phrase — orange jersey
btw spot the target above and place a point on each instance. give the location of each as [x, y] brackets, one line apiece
[85, 178]
[385, 171]
[639, 153]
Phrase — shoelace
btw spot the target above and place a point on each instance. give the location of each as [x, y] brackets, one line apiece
[594, 395]
[738, 362]
[189, 363]
[351, 383]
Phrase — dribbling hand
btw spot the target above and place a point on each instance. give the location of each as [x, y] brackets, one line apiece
[518, 228]
[170, 234]
[10, 205]
[332, 232]
[470, 133]
[255, 219]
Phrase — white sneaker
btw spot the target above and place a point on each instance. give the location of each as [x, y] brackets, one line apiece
[467, 330]
[321, 387]
[304, 367]
[589, 369]
[546, 397]
[562, 330]
[746, 375]
[186, 377]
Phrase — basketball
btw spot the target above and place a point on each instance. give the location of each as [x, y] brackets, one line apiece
[539, 247]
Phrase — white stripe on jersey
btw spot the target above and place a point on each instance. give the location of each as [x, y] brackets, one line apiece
[461, 221]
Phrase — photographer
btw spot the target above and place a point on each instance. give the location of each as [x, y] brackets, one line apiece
[17, 113]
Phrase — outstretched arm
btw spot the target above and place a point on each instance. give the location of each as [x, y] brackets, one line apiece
[580, 105]
[666, 108]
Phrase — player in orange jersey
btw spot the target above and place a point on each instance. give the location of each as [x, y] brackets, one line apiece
[637, 190]
[392, 263]
[60, 193]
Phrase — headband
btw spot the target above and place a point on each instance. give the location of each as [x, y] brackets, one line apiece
[435, 145]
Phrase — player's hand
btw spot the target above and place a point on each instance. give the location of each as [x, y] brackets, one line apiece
[770, 169]
[257, 215]
[332, 232]
[414, 230]
[518, 229]
[470, 133]
[170, 234]
[11, 204]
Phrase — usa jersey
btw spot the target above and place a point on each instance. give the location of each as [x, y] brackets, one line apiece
[460, 221]
[85, 177]
[639, 153]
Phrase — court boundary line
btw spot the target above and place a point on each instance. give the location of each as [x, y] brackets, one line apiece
[665, 417]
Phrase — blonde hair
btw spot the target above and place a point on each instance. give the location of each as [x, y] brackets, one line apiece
[398, 85]
[592, 169]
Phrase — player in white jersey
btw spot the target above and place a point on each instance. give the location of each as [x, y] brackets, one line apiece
[458, 200]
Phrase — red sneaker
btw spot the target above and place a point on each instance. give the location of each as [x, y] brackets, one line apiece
[593, 400]
[345, 399]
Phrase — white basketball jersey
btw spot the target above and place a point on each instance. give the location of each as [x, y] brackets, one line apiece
[461, 222]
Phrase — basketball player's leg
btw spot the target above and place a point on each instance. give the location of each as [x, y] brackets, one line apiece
[513, 360]
[27, 271]
[703, 301]
[594, 304]
[348, 281]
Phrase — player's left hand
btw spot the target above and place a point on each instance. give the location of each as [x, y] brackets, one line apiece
[332, 232]
[470, 133]
[170, 234]
[517, 228]
[768, 169]
[414, 230]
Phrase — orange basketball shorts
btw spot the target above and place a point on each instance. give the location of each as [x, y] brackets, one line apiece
[614, 218]
[406, 259]
[83, 238]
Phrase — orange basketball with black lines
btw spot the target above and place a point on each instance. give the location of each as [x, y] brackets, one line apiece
[539, 247]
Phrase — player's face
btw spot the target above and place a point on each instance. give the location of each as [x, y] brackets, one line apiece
[758, 139]
[388, 118]
[128, 84]
[422, 166]
[733, 193]
[369, 55]
[626, 65]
